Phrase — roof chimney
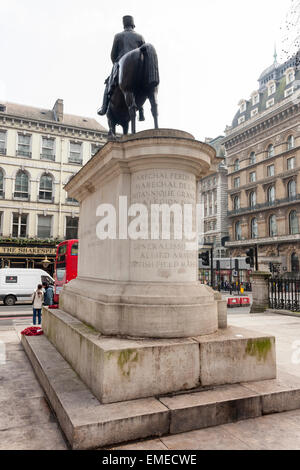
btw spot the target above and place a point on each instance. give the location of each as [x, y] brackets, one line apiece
[58, 110]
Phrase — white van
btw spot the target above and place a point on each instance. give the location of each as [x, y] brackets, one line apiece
[20, 283]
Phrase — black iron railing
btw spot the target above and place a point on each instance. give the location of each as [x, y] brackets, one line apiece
[264, 205]
[284, 294]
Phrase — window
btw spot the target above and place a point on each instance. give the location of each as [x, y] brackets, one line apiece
[271, 89]
[24, 145]
[75, 153]
[290, 76]
[19, 227]
[44, 226]
[271, 194]
[241, 119]
[254, 112]
[272, 226]
[71, 228]
[293, 223]
[252, 158]
[22, 185]
[252, 177]
[255, 99]
[270, 170]
[236, 182]
[294, 263]
[252, 199]
[292, 188]
[2, 143]
[290, 142]
[236, 165]
[238, 231]
[47, 151]
[291, 163]
[236, 203]
[288, 91]
[270, 103]
[46, 188]
[215, 180]
[254, 228]
[95, 148]
[1, 183]
[71, 200]
[242, 106]
[270, 150]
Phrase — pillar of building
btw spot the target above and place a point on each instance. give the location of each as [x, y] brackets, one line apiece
[260, 291]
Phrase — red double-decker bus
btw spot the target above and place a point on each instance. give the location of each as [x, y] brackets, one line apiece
[65, 265]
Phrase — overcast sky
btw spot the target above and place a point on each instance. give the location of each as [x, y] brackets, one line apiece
[210, 54]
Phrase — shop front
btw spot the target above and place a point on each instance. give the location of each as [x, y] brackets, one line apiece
[39, 256]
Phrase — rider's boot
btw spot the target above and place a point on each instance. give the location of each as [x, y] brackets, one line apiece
[141, 114]
[103, 109]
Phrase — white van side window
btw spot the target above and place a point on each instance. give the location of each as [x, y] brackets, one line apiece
[11, 279]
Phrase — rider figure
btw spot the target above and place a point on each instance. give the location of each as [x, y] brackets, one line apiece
[123, 43]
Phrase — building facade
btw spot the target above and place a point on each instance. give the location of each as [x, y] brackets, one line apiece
[212, 197]
[40, 150]
[263, 158]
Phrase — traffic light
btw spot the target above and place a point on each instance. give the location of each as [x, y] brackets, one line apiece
[271, 267]
[250, 257]
[218, 265]
[236, 264]
[205, 258]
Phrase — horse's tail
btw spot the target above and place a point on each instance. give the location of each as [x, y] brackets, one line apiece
[151, 75]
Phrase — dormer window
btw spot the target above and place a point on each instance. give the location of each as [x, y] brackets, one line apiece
[2, 108]
[254, 112]
[269, 103]
[289, 75]
[271, 88]
[255, 99]
[242, 105]
[241, 119]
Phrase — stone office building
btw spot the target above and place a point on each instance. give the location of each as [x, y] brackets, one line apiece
[40, 149]
[263, 159]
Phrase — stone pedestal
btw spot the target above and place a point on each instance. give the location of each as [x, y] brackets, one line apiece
[136, 323]
[260, 291]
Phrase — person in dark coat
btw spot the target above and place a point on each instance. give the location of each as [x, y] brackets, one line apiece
[48, 294]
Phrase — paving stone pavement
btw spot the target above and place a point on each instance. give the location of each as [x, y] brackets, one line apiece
[27, 423]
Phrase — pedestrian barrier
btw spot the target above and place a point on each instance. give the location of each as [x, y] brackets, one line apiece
[244, 301]
[233, 302]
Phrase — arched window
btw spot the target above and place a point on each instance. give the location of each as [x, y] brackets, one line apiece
[238, 231]
[294, 263]
[270, 150]
[271, 194]
[252, 199]
[272, 226]
[291, 188]
[1, 183]
[22, 185]
[252, 158]
[293, 223]
[254, 228]
[290, 142]
[236, 165]
[46, 188]
[236, 203]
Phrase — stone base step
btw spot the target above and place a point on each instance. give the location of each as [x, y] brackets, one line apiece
[88, 424]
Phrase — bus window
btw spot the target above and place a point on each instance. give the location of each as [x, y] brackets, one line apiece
[74, 249]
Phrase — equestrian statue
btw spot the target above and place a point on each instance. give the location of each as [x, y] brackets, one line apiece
[133, 79]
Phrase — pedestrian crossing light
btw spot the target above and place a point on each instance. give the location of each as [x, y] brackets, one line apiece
[205, 258]
[250, 257]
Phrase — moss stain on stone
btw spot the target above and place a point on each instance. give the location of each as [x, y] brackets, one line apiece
[259, 347]
[126, 359]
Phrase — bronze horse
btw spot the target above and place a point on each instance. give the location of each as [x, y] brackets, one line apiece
[138, 79]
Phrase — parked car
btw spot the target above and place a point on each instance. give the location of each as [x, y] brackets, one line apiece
[19, 284]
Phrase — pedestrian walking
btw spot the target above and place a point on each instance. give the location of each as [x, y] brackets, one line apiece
[37, 303]
[48, 294]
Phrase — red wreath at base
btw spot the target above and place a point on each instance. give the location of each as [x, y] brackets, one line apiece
[32, 331]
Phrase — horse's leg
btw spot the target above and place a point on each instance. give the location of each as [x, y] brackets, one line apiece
[131, 105]
[125, 128]
[112, 129]
[153, 100]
